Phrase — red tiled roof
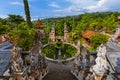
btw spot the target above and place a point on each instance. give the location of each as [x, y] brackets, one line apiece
[39, 24]
[88, 33]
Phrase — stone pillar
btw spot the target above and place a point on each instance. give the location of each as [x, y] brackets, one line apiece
[66, 34]
[52, 34]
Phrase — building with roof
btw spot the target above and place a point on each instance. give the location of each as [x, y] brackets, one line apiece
[107, 62]
[8, 66]
[86, 36]
[16, 64]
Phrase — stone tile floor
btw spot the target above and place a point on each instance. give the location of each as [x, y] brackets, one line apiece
[59, 71]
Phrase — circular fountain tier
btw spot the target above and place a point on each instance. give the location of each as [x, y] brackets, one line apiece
[60, 51]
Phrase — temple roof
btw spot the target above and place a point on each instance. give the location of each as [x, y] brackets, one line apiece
[39, 24]
[5, 56]
[88, 33]
[113, 55]
[6, 45]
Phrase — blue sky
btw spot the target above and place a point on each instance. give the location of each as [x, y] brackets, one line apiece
[57, 8]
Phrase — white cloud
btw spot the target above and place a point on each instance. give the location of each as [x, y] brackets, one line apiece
[100, 6]
[76, 6]
[16, 3]
[3, 16]
[104, 5]
[82, 6]
[54, 5]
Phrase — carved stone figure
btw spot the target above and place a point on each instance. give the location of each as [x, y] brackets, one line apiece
[101, 62]
[33, 59]
[14, 53]
[16, 62]
[37, 36]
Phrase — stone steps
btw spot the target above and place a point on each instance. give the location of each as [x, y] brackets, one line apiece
[59, 71]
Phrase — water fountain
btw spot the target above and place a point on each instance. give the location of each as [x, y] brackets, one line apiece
[59, 54]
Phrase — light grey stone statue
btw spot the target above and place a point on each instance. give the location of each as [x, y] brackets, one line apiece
[101, 62]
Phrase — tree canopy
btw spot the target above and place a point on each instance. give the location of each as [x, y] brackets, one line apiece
[93, 21]
[22, 36]
[15, 26]
[13, 20]
[98, 39]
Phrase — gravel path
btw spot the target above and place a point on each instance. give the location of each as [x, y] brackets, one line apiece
[59, 71]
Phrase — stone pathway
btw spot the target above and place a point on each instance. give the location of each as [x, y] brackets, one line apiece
[59, 71]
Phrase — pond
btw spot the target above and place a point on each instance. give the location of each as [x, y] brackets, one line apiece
[55, 50]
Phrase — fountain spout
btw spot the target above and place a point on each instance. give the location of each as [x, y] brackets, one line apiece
[59, 54]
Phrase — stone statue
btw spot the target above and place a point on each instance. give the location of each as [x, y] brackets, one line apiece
[14, 53]
[17, 62]
[37, 36]
[80, 64]
[33, 60]
[101, 62]
[16, 66]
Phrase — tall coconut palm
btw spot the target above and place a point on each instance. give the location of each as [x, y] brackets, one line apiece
[27, 13]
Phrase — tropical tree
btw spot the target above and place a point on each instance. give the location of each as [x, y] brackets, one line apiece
[110, 23]
[98, 39]
[3, 21]
[27, 13]
[13, 20]
[4, 28]
[60, 28]
[22, 36]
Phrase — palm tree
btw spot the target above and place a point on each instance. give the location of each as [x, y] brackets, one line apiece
[27, 13]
